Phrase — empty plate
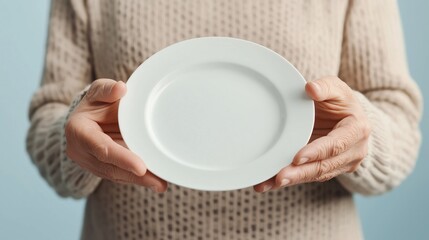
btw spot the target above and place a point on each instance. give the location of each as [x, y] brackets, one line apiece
[216, 113]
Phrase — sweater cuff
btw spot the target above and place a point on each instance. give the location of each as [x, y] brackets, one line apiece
[372, 176]
[79, 182]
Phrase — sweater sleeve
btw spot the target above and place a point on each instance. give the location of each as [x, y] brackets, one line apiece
[374, 65]
[66, 73]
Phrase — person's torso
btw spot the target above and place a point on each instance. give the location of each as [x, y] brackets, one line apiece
[307, 33]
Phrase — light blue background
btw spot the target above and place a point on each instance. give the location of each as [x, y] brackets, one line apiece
[29, 209]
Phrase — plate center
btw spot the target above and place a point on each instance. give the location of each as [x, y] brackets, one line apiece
[215, 116]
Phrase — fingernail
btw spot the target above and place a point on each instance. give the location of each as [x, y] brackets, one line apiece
[303, 160]
[316, 85]
[154, 188]
[139, 172]
[285, 182]
[267, 187]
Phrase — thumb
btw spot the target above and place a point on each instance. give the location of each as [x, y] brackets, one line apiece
[327, 88]
[106, 90]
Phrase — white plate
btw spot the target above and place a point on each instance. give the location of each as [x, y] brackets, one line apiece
[216, 113]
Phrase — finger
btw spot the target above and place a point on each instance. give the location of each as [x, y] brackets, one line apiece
[321, 170]
[114, 136]
[121, 142]
[105, 114]
[328, 176]
[309, 172]
[327, 88]
[110, 127]
[105, 90]
[265, 186]
[106, 150]
[149, 180]
[339, 140]
[113, 173]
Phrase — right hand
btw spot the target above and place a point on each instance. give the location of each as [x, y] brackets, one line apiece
[95, 143]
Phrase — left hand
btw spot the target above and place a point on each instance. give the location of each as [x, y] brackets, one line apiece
[339, 141]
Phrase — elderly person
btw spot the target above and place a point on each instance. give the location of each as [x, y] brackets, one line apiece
[365, 140]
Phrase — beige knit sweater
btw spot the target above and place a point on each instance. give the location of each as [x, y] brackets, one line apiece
[358, 40]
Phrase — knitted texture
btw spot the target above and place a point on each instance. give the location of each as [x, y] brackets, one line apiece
[358, 40]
